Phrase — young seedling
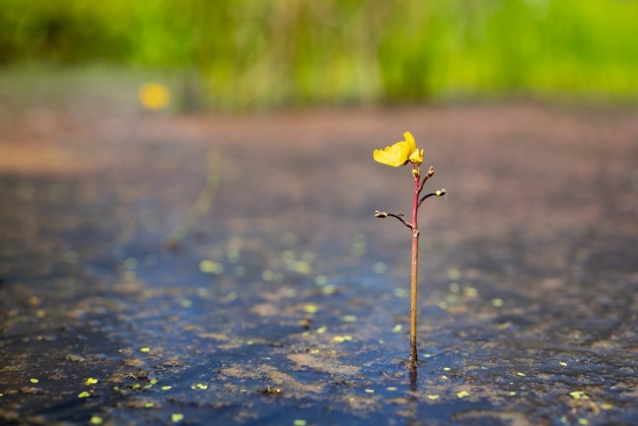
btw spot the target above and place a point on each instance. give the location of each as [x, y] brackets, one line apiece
[400, 154]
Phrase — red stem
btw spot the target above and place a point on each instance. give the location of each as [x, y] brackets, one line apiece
[415, 264]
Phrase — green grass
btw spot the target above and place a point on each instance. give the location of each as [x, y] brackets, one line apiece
[249, 53]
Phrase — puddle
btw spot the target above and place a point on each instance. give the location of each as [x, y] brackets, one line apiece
[286, 302]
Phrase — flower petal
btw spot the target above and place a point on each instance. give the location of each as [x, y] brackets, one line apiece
[417, 156]
[410, 141]
[395, 155]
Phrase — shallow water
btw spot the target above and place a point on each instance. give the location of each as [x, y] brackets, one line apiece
[286, 301]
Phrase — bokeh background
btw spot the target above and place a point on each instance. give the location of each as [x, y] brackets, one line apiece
[187, 197]
[245, 54]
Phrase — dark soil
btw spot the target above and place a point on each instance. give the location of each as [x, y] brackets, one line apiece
[218, 270]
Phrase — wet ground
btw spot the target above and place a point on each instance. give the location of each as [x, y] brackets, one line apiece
[216, 270]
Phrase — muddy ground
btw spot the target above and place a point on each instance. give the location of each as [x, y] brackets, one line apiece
[213, 269]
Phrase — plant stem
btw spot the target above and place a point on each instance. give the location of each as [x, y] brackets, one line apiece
[415, 266]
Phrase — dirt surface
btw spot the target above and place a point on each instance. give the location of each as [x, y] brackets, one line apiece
[162, 270]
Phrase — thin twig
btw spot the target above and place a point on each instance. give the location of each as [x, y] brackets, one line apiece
[433, 194]
[427, 176]
[379, 214]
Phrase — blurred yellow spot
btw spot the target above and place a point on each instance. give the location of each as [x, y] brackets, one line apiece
[446, 368]
[311, 309]
[512, 393]
[166, 387]
[321, 280]
[328, 290]
[302, 267]
[369, 390]
[350, 318]
[379, 267]
[34, 380]
[267, 275]
[563, 364]
[399, 292]
[397, 328]
[91, 381]
[520, 374]
[470, 292]
[149, 405]
[497, 302]
[200, 386]
[606, 406]
[583, 422]
[391, 388]
[84, 394]
[145, 349]
[186, 303]
[154, 96]
[95, 420]
[454, 287]
[299, 423]
[210, 267]
[177, 417]
[322, 329]
[454, 274]
[291, 292]
[579, 395]
[433, 397]
[463, 394]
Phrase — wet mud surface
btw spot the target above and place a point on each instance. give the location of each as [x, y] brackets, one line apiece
[210, 269]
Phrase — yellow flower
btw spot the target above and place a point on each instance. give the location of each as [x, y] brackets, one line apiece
[154, 96]
[409, 139]
[395, 155]
[417, 157]
[400, 153]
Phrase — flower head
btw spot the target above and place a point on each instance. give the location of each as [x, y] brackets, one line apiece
[400, 153]
[416, 157]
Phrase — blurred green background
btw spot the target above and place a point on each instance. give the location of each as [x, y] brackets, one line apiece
[243, 54]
